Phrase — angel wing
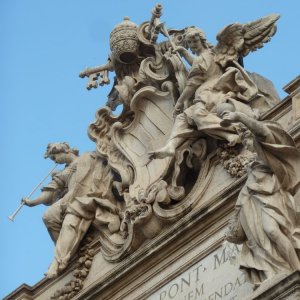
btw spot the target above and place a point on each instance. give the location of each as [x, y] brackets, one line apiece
[237, 40]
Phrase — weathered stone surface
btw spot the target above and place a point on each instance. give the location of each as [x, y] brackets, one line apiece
[193, 159]
[215, 276]
[286, 287]
[293, 89]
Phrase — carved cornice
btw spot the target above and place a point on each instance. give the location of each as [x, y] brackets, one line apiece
[292, 86]
[278, 110]
[24, 292]
[284, 287]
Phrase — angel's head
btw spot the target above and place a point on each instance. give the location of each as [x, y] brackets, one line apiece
[196, 39]
[61, 153]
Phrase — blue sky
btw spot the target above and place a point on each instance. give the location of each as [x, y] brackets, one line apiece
[44, 46]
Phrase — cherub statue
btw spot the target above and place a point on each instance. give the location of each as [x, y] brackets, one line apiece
[216, 77]
[86, 182]
[266, 221]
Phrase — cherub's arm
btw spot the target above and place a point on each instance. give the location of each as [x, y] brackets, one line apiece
[50, 192]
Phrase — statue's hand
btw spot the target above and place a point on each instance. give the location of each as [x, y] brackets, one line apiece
[230, 116]
[26, 201]
[177, 109]
[179, 49]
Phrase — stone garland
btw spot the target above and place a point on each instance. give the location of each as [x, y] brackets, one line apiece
[233, 162]
[74, 286]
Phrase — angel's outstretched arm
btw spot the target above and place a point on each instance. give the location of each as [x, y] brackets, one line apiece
[46, 198]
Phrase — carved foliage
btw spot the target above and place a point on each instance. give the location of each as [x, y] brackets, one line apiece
[73, 287]
[232, 160]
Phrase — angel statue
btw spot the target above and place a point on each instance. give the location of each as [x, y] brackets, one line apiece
[80, 196]
[216, 76]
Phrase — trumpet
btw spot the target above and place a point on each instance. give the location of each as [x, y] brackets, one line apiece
[12, 217]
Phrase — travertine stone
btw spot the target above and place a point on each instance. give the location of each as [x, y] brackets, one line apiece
[79, 195]
[293, 89]
[153, 252]
[285, 287]
[292, 86]
[185, 164]
[217, 275]
[296, 105]
[159, 261]
[216, 77]
[266, 210]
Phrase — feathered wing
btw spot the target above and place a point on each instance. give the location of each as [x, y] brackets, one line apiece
[237, 40]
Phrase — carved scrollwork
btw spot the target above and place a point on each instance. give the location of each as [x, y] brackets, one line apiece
[153, 71]
[178, 209]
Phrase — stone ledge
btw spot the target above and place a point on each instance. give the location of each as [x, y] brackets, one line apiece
[292, 86]
[285, 287]
[23, 292]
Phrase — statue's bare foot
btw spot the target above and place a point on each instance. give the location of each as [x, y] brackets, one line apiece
[53, 270]
[233, 139]
[162, 152]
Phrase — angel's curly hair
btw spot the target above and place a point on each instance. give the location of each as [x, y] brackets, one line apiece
[55, 148]
[193, 31]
